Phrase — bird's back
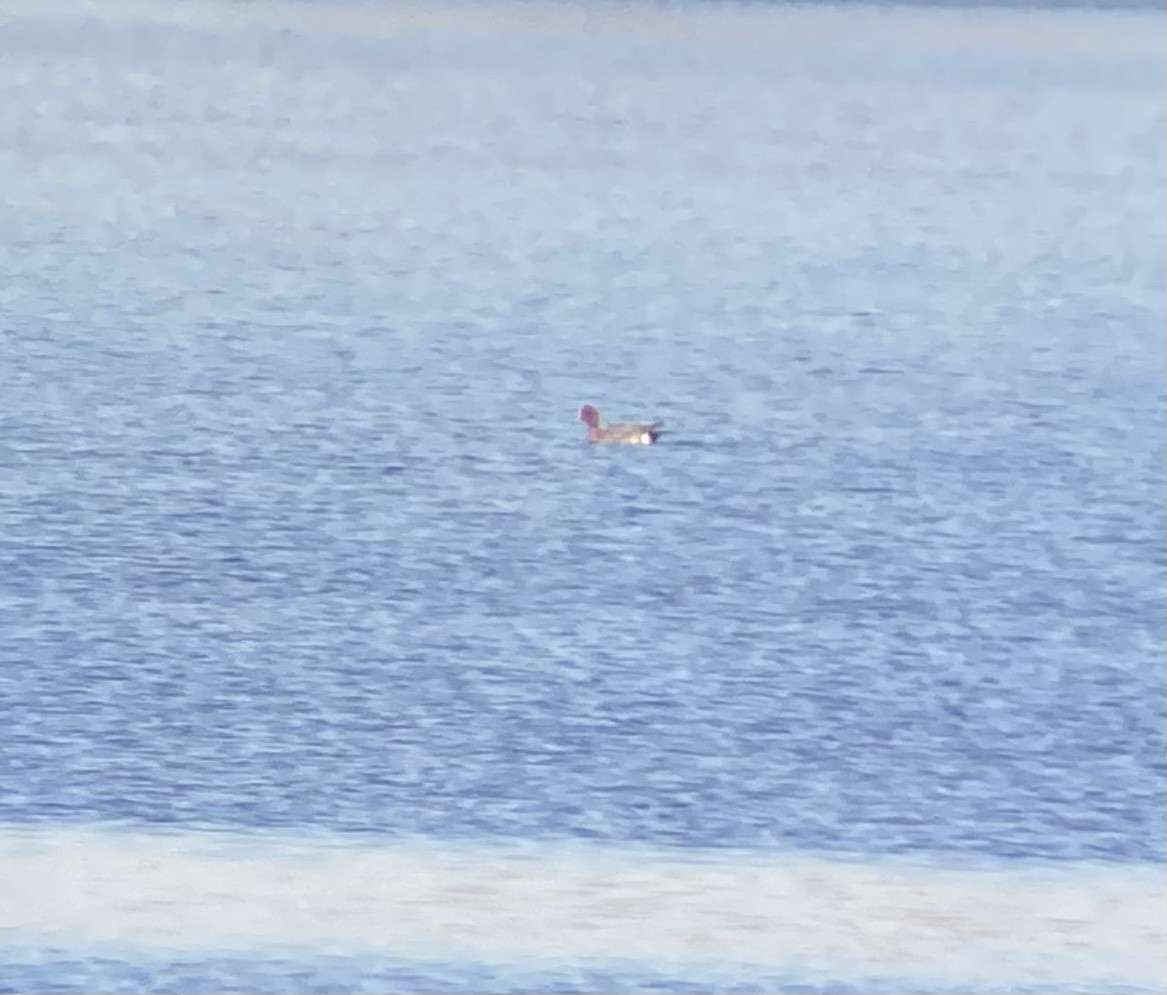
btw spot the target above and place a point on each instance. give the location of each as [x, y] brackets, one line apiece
[630, 433]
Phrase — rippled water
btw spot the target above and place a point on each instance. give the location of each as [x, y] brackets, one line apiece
[299, 533]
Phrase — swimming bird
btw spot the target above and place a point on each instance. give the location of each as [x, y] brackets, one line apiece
[626, 433]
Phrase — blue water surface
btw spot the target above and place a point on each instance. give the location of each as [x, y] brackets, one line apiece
[328, 974]
[298, 528]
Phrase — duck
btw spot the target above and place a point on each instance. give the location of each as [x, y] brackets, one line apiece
[625, 433]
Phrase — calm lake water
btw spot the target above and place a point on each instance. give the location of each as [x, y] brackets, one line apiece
[332, 659]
